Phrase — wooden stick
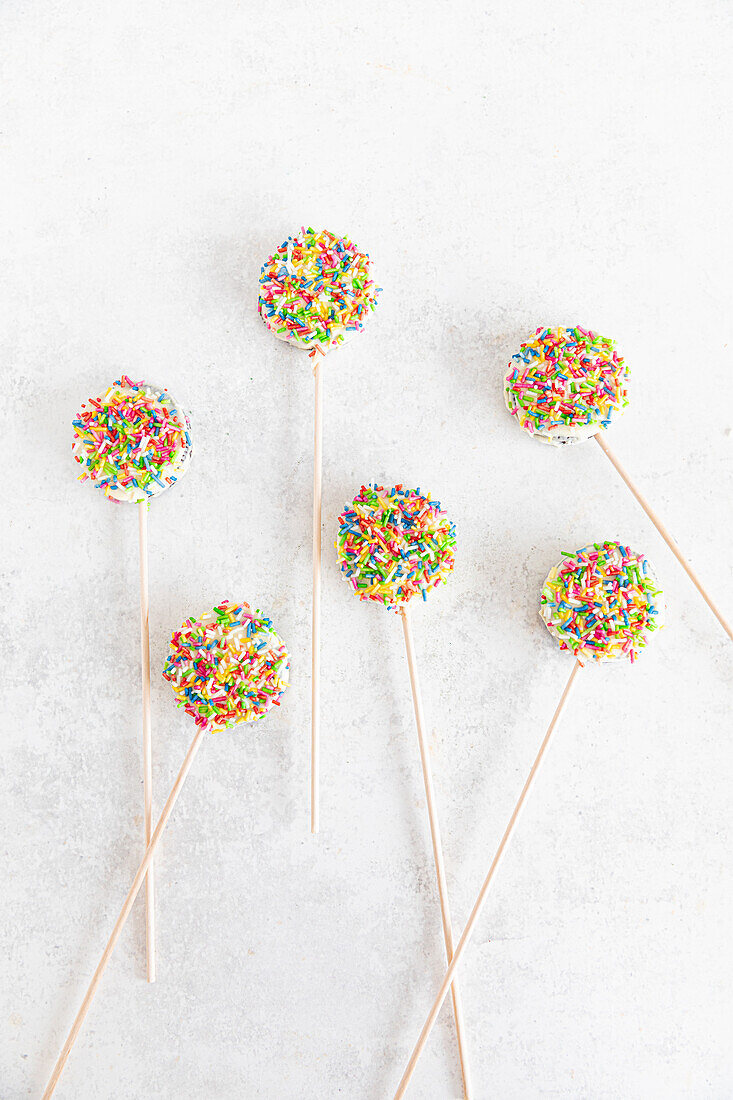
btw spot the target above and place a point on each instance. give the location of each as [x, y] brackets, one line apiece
[437, 846]
[142, 512]
[124, 913]
[664, 533]
[316, 621]
[475, 912]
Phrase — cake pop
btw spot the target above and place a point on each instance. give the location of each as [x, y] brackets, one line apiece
[566, 385]
[133, 443]
[602, 602]
[394, 544]
[316, 292]
[226, 667]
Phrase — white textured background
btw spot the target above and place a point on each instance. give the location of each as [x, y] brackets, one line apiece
[507, 165]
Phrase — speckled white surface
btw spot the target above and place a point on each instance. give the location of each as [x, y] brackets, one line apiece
[506, 165]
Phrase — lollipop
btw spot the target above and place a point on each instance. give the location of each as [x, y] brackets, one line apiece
[602, 603]
[394, 544]
[316, 292]
[566, 385]
[133, 443]
[227, 667]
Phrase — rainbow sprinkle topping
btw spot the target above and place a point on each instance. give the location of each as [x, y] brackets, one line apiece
[316, 290]
[602, 602]
[394, 543]
[227, 667]
[133, 442]
[566, 384]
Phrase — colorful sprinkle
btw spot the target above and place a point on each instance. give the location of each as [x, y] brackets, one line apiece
[316, 291]
[566, 384]
[602, 602]
[227, 667]
[395, 543]
[133, 442]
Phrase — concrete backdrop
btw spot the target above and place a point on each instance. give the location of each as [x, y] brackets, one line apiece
[506, 165]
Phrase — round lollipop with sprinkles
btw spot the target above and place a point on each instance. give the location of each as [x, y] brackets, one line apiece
[317, 291]
[227, 667]
[134, 442]
[394, 544]
[566, 385]
[600, 603]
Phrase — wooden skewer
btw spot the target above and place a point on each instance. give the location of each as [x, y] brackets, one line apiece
[142, 511]
[316, 620]
[124, 913]
[475, 912]
[664, 533]
[437, 846]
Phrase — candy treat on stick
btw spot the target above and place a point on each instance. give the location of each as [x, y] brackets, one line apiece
[133, 443]
[394, 544]
[316, 292]
[601, 603]
[566, 385]
[227, 667]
